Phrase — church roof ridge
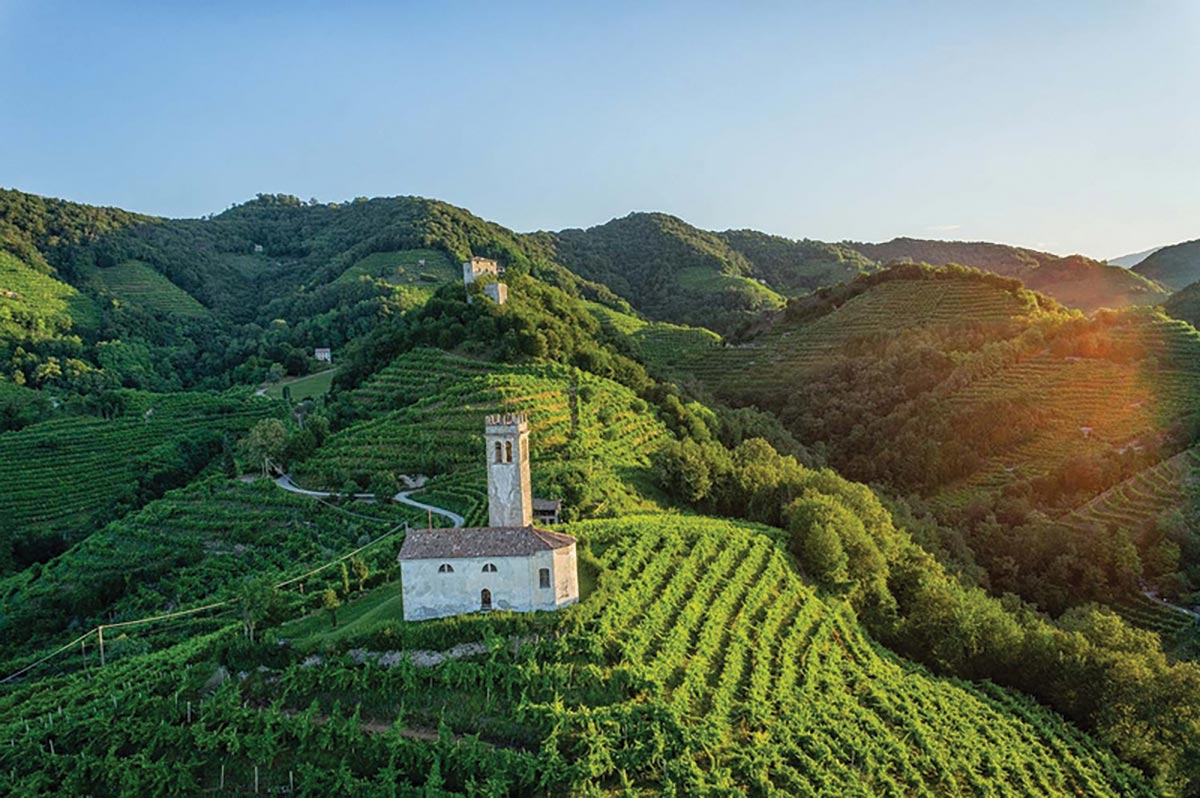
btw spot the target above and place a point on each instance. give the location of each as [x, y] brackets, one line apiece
[480, 541]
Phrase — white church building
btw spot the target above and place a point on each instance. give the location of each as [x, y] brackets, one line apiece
[509, 564]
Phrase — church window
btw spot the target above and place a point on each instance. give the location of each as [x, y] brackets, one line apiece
[488, 568]
[508, 451]
[543, 577]
[445, 568]
[498, 452]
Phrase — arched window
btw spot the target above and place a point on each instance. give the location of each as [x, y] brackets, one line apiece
[543, 577]
[508, 451]
[488, 568]
[445, 568]
[498, 452]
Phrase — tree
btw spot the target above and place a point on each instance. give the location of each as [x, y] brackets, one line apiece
[330, 603]
[345, 579]
[359, 566]
[258, 599]
[384, 486]
[265, 444]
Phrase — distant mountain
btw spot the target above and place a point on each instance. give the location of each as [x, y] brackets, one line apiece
[1175, 266]
[1133, 259]
[1073, 280]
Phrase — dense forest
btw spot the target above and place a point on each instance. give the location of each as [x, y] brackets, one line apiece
[848, 525]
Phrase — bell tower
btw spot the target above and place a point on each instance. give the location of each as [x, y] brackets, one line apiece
[510, 501]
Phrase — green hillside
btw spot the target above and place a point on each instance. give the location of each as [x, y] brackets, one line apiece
[65, 475]
[701, 665]
[1185, 304]
[35, 306]
[1175, 266]
[667, 269]
[954, 629]
[1074, 280]
[134, 281]
[404, 267]
[590, 437]
[797, 267]
[993, 410]
[195, 545]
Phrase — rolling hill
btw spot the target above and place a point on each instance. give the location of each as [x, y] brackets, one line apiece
[667, 269]
[1176, 266]
[1185, 304]
[1073, 280]
[1013, 445]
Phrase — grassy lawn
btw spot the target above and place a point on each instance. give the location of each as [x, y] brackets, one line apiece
[306, 387]
[380, 606]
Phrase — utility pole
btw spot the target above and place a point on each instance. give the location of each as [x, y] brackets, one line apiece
[100, 633]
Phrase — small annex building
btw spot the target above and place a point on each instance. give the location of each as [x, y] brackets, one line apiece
[509, 564]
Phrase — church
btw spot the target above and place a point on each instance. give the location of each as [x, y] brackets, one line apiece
[510, 564]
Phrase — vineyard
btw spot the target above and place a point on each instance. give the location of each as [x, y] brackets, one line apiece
[438, 428]
[59, 473]
[427, 267]
[1137, 502]
[35, 305]
[782, 354]
[196, 544]
[700, 666]
[139, 283]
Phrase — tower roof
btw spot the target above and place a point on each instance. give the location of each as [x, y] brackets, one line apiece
[481, 541]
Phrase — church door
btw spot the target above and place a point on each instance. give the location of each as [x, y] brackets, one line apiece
[485, 599]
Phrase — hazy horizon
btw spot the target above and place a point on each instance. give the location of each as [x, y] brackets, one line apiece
[1066, 129]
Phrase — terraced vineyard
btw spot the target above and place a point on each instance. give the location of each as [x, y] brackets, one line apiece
[416, 375]
[714, 614]
[781, 355]
[195, 545]
[35, 305]
[59, 473]
[438, 429]
[1137, 502]
[701, 665]
[140, 283]
[404, 267]
[1145, 612]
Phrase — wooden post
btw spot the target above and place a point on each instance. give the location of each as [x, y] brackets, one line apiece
[256, 779]
[189, 712]
[430, 512]
[100, 633]
[291, 783]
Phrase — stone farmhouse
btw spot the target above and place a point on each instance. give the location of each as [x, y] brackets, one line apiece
[509, 564]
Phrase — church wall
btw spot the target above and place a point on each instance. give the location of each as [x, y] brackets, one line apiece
[430, 594]
[566, 576]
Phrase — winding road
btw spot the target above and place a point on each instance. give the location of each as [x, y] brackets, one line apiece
[402, 497]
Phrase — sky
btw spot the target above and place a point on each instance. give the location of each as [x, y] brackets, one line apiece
[1066, 126]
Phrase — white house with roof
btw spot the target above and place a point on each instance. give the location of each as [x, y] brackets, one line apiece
[510, 564]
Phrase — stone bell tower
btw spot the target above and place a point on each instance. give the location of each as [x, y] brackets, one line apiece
[510, 501]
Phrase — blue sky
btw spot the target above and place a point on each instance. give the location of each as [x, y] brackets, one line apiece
[1069, 126]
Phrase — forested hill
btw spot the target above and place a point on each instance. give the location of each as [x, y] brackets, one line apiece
[1175, 266]
[667, 269]
[1073, 280]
